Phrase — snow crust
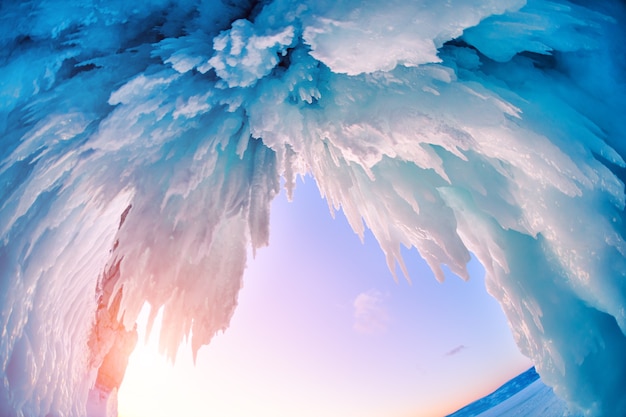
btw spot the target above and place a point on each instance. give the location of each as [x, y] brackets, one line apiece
[150, 139]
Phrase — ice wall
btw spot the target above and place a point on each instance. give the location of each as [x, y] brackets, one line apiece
[142, 144]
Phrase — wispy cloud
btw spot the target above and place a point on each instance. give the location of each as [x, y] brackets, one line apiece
[370, 314]
[456, 350]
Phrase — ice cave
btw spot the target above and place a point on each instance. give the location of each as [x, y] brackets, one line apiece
[142, 144]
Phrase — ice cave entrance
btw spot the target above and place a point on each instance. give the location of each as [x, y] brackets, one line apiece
[340, 338]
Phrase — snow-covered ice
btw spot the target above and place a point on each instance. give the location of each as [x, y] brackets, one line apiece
[524, 396]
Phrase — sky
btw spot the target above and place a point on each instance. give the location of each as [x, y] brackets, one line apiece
[340, 338]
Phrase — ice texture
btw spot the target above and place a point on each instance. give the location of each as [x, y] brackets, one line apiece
[141, 144]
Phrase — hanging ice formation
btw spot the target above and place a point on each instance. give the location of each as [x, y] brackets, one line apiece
[142, 144]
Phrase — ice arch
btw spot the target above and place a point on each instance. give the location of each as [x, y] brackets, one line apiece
[142, 145]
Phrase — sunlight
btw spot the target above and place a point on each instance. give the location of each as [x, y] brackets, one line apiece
[152, 385]
[145, 373]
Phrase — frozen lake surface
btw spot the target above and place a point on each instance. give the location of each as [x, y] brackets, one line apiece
[524, 395]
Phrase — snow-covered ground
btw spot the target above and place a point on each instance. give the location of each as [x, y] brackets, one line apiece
[535, 400]
[524, 396]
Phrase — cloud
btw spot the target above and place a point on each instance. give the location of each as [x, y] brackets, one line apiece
[370, 314]
[456, 350]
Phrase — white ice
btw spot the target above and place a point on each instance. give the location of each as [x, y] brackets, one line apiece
[142, 143]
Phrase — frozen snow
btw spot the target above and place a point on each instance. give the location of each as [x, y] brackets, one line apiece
[142, 143]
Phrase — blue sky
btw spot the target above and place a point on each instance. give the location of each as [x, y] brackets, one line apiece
[322, 328]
